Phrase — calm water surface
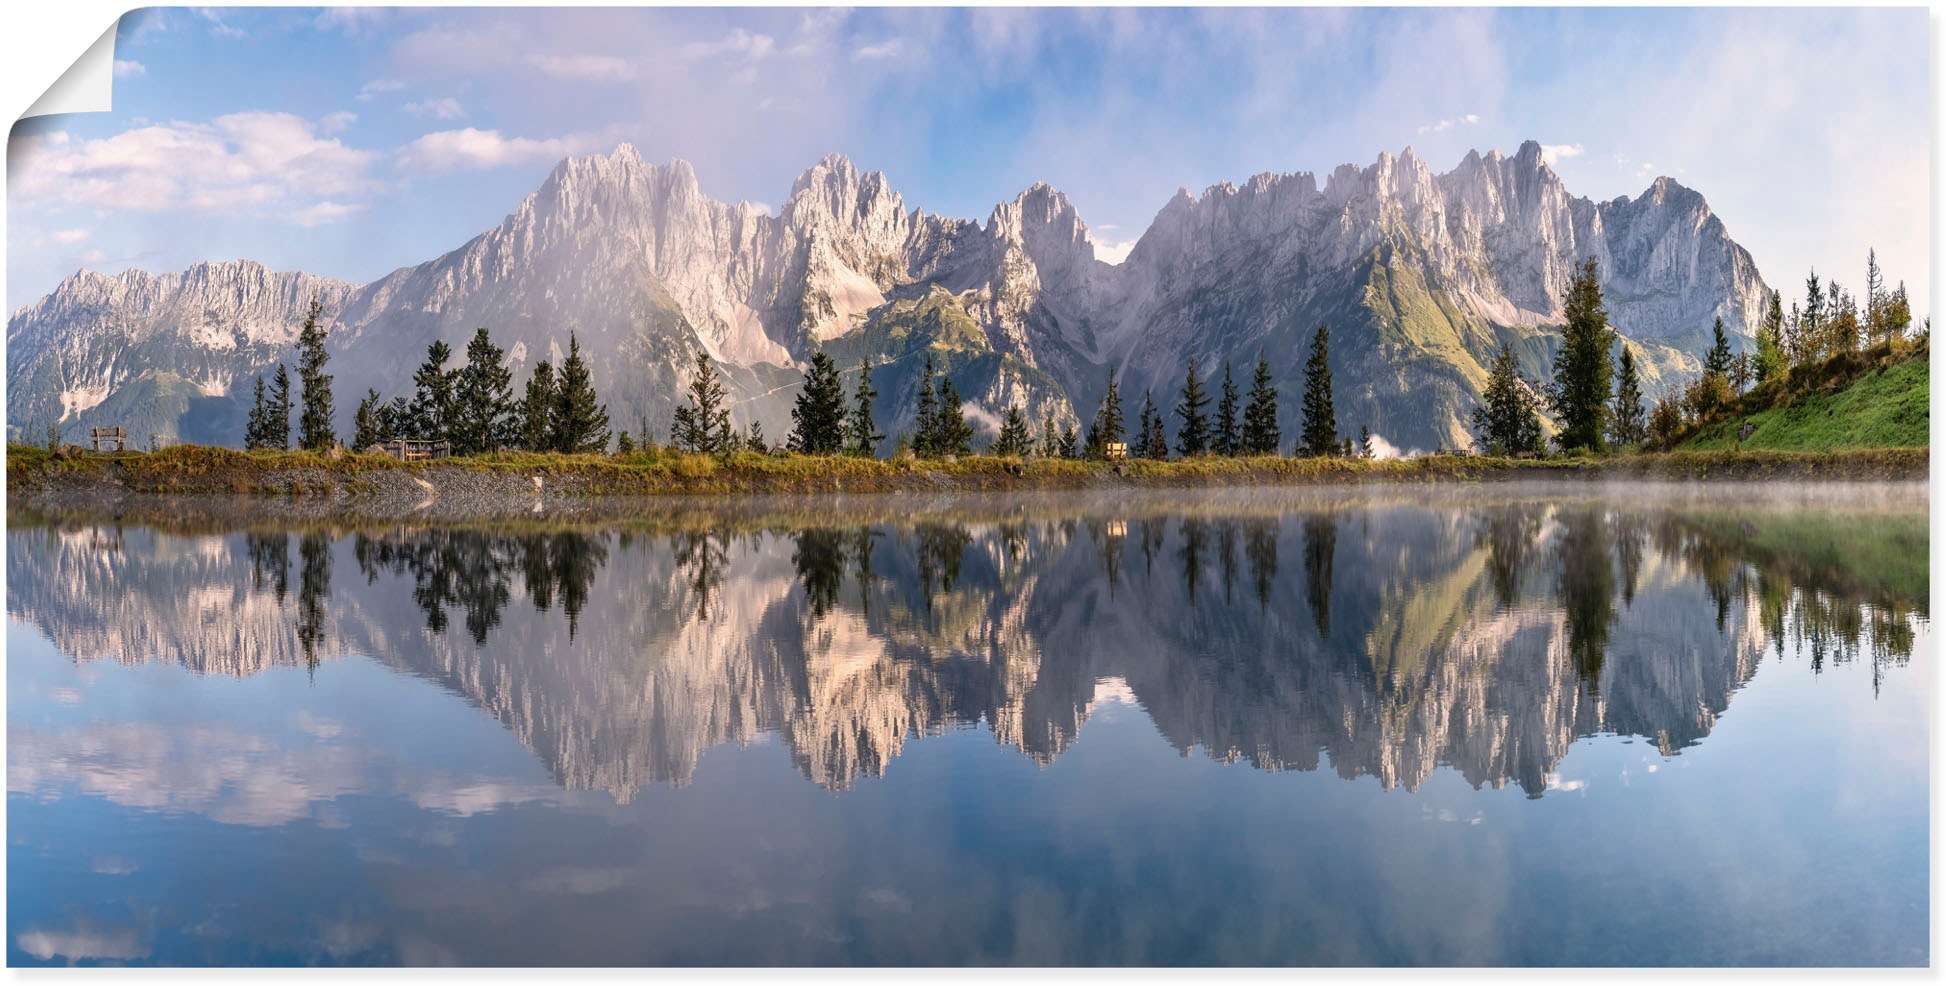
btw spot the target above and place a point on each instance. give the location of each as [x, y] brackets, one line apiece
[1313, 728]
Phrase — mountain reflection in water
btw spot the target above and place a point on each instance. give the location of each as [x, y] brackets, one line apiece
[1387, 638]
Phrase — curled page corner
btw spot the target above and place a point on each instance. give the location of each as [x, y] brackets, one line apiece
[88, 86]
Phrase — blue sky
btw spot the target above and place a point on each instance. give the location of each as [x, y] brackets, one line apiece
[349, 142]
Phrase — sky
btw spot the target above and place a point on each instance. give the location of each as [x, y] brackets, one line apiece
[349, 142]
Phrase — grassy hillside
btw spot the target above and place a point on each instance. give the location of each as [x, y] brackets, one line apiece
[1879, 401]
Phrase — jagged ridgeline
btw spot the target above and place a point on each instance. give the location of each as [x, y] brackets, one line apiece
[1421, 277]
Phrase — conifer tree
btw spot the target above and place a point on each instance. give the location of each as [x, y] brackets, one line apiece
[1192, 438]
[1261, 435]
[1875, 299]
[1771, 362]
[1144, 426]
[537, 410]
[483, 418]
[1507, 420]
[624, 443]
[1365, 450]
[1154, 444]
[1811, 332]
[756, 442]
[366, 422]
[820, 410]
[1227, 440]
[1070, 446]
[393, 418]
[1107, 426]
[256, 428]
[277, 421]
[1013, 438]
[703, 425]
[861, 434]
[1320, 434]
[1050, 438]
[1717, 360]
[1583, 368]
[314, 421]
[925, 427]
[432, 401]
[1626, 423]
[580, 420]
[951, 434]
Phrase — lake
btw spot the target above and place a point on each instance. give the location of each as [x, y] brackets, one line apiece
[1437, 726]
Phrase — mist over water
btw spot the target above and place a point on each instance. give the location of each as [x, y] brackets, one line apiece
[1524, 726]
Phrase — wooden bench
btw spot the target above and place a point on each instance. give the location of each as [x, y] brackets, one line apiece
[97, 437]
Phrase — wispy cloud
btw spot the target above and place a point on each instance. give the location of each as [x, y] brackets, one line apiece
[739, 43]
[470, 150]
[69, 237]
[446, 108]
[332, 123]
[325, 212]
[129, 69]
[585, 68]
[217, 26]
[355, 21]
[1445, 125]
[868, 53]
[374, 88]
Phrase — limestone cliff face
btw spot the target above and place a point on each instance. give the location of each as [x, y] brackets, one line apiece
[1422, 276]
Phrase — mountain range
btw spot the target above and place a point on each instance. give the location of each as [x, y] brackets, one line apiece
[1421, 277]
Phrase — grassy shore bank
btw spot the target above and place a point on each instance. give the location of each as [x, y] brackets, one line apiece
[197, 470]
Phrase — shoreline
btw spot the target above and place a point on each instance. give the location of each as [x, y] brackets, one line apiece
[297, 485]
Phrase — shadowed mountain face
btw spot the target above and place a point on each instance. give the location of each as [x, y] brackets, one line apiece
[1422, 277]
[1381, 639]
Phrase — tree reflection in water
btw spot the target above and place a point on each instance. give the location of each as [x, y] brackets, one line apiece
[1433, 622]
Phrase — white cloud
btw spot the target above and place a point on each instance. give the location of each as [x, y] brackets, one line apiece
[82, 942]
[217, 27]
[129, 69]
[1556, 153]
[377, 86]
[1113, 253]
[739, 42]
[868, 53]
[325, 212]
[332, 123]
[70, 236]
[1445, 125]
[470, 149]
[585, 68]
[446, 108]
[354, 21]
[234, 163]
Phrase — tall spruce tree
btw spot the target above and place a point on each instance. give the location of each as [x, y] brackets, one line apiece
[819, 414]
[537, 410]
[1107, 426]
[925, 427]
[1261, 435]
[1365, 450]
[861, 433]
[256, 428]
[703, 425]
[1875, 298]
[1628, 421]
[1070, 445]
[1717, 360]
[580, 419]
[1320, 433]
[1228, 440]
[393, 419]
[365, 423]
[314, 421]
[951, 435]
[277, 420]
[1013, 439]
[1156, 444]
[1507, 420]
[1192, 437]
[432, 400]
[1583, 369]
[1771, 362]
[484, 418]
[1144, 425]
[1050, 447]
